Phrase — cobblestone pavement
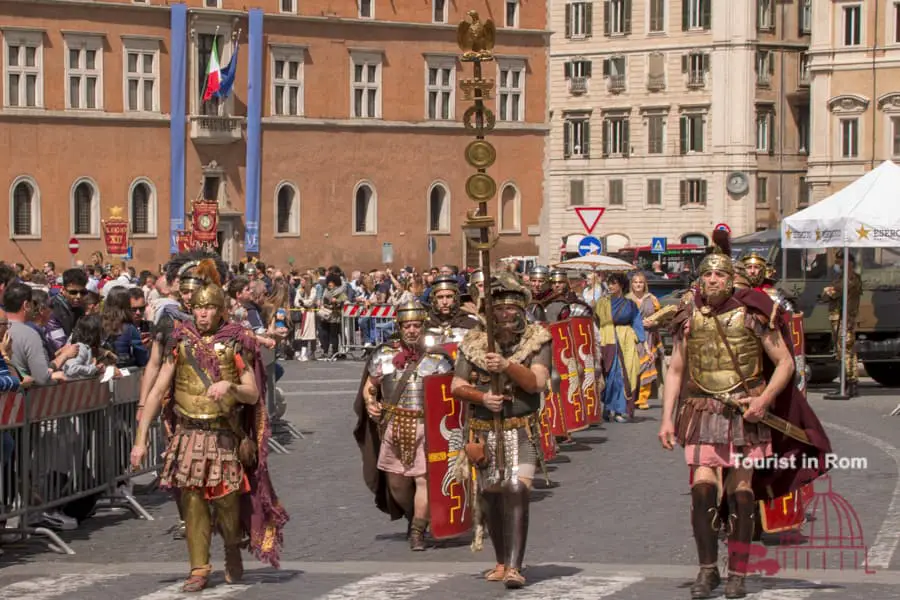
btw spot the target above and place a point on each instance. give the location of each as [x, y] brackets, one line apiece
[614, 524]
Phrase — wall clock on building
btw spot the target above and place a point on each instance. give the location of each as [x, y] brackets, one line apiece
[737, 184]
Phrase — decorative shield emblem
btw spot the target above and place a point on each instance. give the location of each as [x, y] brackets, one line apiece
[787, 512]
[583, 334]
[548, 437]
[448, 498]
[565, 364]
[453, 350]
[797, 338]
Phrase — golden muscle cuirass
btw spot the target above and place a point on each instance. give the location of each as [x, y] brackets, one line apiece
[190, 392]
[709, 363]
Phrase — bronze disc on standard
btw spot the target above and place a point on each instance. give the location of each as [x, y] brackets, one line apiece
[480, 154]
[481, 187]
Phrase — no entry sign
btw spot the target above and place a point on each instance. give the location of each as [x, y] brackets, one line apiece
[74, 246]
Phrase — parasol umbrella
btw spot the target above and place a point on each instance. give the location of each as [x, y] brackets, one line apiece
[596, 262]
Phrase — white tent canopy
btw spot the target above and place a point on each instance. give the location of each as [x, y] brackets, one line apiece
[865, 214]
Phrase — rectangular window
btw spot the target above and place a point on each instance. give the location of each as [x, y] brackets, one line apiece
[803, 131]
[580, 68]
[579, 17]
[657, 16]
[23, 69]
[440, 11]
[614, 70]
[616, 17]
[762, 191]
[439, 88]
[656, 125]
[765, 11]
[804, 77]
[852, 25]
[850, 138]
[576, 192]
[693, 192]
[691, 133]
[654, 192]
[803, 195]
[616, 136]
[84, 73]
[577, 136]
[656, 71]
[366, 10]
[895, 137]
[366, 85]
[141, 76]
[288, 6]
[897, 22]
[616, 192]
[695, 64]
[512, 13]
[764, 131]
[204, 45]
[805, 16]
[696, 15]
[765, 66]
[287, 82]
[511, 91]
[212, 3]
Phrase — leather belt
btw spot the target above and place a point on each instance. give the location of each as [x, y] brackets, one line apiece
[405, 412]
[507, 424]
[216, 424]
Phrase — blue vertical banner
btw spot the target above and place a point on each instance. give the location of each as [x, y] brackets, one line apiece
[254, 131]
[177, 81]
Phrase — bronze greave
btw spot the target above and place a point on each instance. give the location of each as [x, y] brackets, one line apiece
[198, 527]
[516, 513]
[742, 522]
[705, 522]
[228, 523]
[493, 511]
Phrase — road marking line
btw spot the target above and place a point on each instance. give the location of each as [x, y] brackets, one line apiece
[882, 550]
[45, 588]
[173, 592]
[782, 594]
[576, 587]
[387, 586]
[315, 381]
[321, 393]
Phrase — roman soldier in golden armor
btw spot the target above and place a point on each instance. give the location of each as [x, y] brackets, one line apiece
[505, 454]
[732, 366]
[217, 453]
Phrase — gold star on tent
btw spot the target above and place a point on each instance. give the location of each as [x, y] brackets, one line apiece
[818, 234]
[789, 233]
[862, 232]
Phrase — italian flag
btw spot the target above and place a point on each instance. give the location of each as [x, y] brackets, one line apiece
[213, 73]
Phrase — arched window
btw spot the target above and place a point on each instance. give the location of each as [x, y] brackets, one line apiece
[615, 242]
[695, 238]
[140, 209]
[510, 209]
[287, 210]
[25, 208]
[85, 209]
[438, 209]
[365, 206]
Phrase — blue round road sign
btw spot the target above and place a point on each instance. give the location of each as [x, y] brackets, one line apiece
[589, 245]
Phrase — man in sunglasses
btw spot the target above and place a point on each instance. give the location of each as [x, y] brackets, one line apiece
[68, 307]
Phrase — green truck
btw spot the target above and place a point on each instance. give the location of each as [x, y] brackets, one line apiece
[801, 276]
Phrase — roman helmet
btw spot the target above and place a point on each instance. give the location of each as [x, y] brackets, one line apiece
[444, 282]
[210, 292]
[184, 267]
[755, 259]
[411, 311]
[506, 290]
[719, 259]
[559, 276]
[540, 275]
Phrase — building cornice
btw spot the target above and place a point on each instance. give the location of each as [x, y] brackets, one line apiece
[38, 114]
[313, 123]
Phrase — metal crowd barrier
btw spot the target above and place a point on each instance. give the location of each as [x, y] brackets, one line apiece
[365, 327]
[277, 421]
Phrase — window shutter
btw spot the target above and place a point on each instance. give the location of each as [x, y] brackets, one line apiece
[606, 23]
[682, 192]
[682, 134]
[626, 142]
[567, 70]
[568, 20]
[586, 138]
[706, 15]
[587, 67]
[684, 62]
[627, 23]
[703, 192]
[701, 126]
[567, 137]
[771, 56]
[704, 60]
[606, 67]
[684, 15]
[606, 137]
[771, 119]
[589, 19]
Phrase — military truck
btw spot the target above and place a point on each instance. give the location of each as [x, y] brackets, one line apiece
[802, 275]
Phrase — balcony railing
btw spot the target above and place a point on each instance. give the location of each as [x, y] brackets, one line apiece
[696, 80]
[216, 130]
[578, 85]
[656, 82]
[616, 83]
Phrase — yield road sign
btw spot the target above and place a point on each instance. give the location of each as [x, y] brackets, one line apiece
[589, 245]
[589, 217]
[74, 246]
[658, 245]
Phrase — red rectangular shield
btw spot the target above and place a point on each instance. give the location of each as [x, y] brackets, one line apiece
[548, 438]
[566, 364]
[452, 349]
[797, 337]
[786, 512]
[448, 499]
[583, 334]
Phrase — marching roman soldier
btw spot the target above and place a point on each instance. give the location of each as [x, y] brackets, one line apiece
[447, 323]
[472, 301]
[566, 303]
[539, 278]
[504, 426]
[732, 364]
[390, 429]
[217, 455]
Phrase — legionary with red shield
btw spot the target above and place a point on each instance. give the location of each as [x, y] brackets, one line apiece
[391, 428]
